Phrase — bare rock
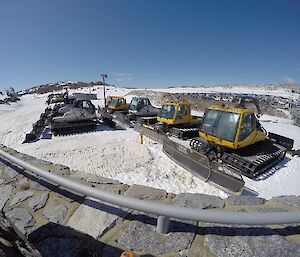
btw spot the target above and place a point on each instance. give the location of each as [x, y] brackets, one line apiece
[23, 156]
[141, 236]
[20, 197]
[5, 193]
[145, 193]
[104, 216]
[37, 186]
[247, 241]
[291, 200]
[63, 170]
[22, 184]
[16, 244]
[245, 200]
[55, 212]
[10, 172]
[35, 203]
[22, 219]
[92, 178]
[200, 201]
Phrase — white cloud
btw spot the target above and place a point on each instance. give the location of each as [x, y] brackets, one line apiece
[288, 80]
[129, 74]
[123, 77]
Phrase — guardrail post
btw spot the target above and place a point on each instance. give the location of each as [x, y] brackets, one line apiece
[162, 224]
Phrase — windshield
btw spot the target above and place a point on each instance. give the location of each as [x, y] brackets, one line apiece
[108, 101]
[113, 102]
[134, 104]
[221, 124]
[167, 111]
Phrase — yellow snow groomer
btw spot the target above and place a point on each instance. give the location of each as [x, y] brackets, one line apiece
[233, 128]
[235, 136]
[176, 113]
[116, 103]
[176, 119]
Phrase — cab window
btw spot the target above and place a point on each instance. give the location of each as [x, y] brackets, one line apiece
[167, 111]
[85, 105]
[247, 127]
[181, 112]
[220, 124]
[145, 102]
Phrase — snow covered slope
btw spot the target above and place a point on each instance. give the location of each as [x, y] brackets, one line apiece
[17, 118]
[118, 154]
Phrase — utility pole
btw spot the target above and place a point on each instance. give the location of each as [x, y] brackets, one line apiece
[104, 76]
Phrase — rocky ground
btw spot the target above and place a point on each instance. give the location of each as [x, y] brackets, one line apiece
[199, 105]
[13, 242]
[58, 222]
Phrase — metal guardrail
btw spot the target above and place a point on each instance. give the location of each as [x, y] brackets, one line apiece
[164, 211]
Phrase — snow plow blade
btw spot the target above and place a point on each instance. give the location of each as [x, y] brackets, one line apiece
[196, 163]
[200, 166]
[286, 142]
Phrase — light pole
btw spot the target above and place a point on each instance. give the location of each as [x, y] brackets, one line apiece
[104, 76]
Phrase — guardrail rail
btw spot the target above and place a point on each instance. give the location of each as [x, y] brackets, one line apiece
[164, 211]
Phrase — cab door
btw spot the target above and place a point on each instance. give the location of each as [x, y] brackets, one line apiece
[122, 104]
[181, 114]
[247, 132]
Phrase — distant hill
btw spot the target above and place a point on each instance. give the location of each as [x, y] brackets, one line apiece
[8, 95]
[58, 86]
[293, 86]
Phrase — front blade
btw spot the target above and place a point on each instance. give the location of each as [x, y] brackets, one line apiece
[286, 142]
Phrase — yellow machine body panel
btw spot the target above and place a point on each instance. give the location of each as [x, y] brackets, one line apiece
[117, 103]
[233, 128]
[175, 113]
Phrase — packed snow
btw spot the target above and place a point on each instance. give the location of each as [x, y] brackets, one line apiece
[118, 154]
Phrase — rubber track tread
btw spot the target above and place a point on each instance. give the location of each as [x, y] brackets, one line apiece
[251, 161]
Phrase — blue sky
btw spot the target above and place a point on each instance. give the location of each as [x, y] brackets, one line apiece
[145, 43]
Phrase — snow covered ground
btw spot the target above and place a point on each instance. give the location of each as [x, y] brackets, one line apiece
[17, 118]
[118, 154]
[286, 179]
